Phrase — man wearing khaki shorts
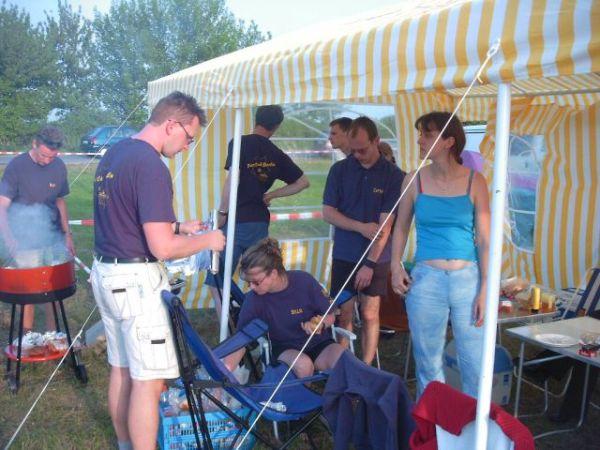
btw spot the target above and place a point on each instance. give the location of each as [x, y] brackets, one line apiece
[135, 227]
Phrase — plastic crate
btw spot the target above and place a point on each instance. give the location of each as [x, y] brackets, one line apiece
[177, 433]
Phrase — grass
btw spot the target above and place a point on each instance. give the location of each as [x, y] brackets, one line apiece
[73, 416]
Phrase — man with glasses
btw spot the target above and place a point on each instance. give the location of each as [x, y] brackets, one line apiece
[34, 223]
[135, 228]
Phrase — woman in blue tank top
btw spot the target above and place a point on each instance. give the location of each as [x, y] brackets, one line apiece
[450, 205]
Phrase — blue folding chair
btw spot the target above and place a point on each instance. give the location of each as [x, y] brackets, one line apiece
[590, 298]
[302, 404]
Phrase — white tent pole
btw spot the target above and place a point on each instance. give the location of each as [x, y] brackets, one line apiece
[494, 266]
[233, 191]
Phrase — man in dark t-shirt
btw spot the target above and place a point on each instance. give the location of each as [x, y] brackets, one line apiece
[135, 226]
[360, 193]
[34, 222]
[261, 163]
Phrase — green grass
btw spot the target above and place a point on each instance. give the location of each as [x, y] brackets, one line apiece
[72, 416]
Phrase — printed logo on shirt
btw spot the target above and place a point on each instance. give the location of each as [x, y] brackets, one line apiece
[51, 185]
[261, 164]
[102, 198]
[261, 169]
[296, 311]
[377, 191]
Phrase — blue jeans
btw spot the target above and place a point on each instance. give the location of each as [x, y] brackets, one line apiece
[434, 295]
[246, 235]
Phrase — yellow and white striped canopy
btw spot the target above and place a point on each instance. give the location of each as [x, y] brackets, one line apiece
[414, 46]
[419, 57]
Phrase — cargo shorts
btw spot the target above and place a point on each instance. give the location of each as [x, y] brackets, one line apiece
[136, 322]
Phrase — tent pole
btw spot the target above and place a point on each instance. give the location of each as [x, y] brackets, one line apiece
[235, 177]
[494, 265]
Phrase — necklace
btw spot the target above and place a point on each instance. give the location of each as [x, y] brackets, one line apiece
[441, 185]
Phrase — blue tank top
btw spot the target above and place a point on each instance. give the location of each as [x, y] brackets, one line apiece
[445, 226]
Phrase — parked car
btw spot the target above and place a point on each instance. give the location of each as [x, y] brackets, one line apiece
[104, 137]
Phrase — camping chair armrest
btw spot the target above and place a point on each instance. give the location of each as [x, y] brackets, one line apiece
[241, 338]
[290, 382]
[535, 362]
[344, 333]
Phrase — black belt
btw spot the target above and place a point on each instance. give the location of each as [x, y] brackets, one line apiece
[115, 260]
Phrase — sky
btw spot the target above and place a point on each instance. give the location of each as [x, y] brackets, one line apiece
[276, 16]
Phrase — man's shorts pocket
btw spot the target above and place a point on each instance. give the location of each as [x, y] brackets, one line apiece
[123, 296]
[155, 346]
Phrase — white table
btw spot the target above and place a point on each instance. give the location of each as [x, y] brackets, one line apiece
[570, 327]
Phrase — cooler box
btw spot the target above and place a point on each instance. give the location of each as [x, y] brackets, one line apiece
[503, 370]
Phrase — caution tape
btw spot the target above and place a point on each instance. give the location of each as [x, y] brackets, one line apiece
[274, 218]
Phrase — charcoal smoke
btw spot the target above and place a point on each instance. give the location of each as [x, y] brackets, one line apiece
[36, 229]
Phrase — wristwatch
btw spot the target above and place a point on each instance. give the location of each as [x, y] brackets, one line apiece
[368, 263]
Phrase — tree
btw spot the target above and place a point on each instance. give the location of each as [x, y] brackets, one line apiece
[141, 40]
[26, 71]
[75, 107]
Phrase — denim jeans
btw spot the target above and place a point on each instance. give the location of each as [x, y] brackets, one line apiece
[434, 295]
[246, 235]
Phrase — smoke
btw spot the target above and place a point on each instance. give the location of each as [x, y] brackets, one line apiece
[36, 229]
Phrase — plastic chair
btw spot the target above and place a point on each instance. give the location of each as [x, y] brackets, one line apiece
[343, 297]
[446, 415]
[302, 404]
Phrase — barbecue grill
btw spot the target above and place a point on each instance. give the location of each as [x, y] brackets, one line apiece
[26, 286]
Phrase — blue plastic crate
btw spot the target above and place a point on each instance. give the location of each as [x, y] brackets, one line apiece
[177, 433]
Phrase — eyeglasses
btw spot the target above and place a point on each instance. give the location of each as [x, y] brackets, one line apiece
[52, 145]
[255, 283]
[190, 139]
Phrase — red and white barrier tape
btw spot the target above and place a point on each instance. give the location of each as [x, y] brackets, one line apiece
[59, 154]
[84, 222]
[297, 216]
[290, 152]
[274, 218]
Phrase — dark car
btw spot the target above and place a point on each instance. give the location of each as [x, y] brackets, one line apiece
[104, 137]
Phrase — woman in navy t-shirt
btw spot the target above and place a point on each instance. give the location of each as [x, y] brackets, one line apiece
[292, 304]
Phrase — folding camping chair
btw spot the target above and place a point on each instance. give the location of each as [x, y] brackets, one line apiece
[589, 301]
[302, 404]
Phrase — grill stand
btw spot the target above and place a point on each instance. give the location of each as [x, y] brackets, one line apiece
[13, 378]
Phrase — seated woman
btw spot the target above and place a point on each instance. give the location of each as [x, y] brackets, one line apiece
[291, 304]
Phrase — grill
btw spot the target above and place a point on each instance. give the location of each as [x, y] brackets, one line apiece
[29, 286]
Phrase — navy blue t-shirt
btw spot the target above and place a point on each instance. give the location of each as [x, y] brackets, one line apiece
[261, 163]
[27, 183]
[361, 194]
[284, 311]
[132, 187]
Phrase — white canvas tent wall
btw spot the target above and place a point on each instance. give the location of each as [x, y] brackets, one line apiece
[420, 56]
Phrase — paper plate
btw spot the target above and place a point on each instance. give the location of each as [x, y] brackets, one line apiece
[556, 340]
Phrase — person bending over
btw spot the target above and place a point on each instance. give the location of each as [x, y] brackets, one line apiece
[291, 304]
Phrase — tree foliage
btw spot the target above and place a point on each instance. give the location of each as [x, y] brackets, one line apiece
[142, 40]
[26, 72]
[82, 73]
